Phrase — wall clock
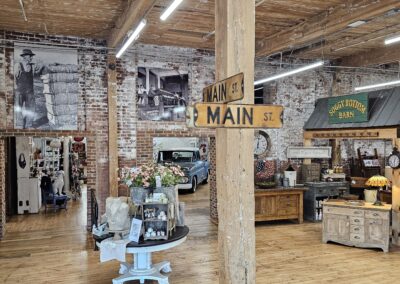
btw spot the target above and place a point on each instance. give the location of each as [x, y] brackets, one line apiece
[262, 144]
[394, 159]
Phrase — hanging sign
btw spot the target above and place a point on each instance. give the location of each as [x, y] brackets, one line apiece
[309, 152]
[225, 91]
[348, 109]
[237, 116]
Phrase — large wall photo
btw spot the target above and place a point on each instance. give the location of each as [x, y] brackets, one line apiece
[45, 88]
[162, 94]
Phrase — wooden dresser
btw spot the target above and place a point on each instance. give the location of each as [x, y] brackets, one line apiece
[279, 204]
[365, 226]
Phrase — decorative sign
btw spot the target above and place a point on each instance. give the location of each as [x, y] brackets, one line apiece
[237, 116]
[135, 231]
[328, 135]
[309, 152]
[225, 91]
[346, 109]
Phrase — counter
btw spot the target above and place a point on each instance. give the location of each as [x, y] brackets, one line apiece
[280, 203]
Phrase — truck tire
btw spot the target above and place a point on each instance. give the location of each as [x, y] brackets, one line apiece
[194, 184]
[205, 181]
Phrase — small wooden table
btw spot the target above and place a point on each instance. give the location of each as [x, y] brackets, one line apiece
[279, 203]
[142, 267]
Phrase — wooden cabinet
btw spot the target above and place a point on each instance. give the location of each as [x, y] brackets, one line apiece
[359, 226]
[279, 204]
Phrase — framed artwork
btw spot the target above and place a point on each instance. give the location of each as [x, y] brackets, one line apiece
[45, 87]
[162, 94]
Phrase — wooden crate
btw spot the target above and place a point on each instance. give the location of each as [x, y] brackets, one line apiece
[358, 182]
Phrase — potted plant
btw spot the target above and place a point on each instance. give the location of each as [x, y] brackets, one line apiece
[375, 184]
[143, 180]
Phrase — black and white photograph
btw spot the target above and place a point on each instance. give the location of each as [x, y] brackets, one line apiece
[162, 94]
[45, 88]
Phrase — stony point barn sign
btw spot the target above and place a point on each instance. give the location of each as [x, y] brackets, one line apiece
[348, 109]
[237, 116]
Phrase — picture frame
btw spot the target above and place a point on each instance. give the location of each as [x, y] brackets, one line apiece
[136, 230]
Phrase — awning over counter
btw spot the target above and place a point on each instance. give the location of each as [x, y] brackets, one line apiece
[384, 111]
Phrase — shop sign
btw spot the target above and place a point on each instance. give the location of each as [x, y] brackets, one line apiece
[309, 152]
[237, 116]
[225, 91]
[347, 109]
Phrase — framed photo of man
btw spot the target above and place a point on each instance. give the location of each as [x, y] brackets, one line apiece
[45, 88]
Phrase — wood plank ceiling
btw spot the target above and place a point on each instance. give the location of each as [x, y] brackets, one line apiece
[303, 28]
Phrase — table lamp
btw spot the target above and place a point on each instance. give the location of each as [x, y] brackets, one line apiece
[377, 181]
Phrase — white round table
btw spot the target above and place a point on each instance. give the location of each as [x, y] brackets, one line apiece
[142, 267]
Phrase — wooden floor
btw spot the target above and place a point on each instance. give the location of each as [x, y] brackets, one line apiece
[55, 248]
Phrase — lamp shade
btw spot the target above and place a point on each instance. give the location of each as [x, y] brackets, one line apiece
[377, 181]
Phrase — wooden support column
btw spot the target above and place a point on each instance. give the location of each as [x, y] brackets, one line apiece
[336, 152]
[112, 125]
[396, 201]
[307, 143]
[234, 49]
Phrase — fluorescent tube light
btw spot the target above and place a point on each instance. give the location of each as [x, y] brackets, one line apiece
[170, 9]
[294, 71]
[132, 38]
[392, 40]
[377, 85]
[357, 24]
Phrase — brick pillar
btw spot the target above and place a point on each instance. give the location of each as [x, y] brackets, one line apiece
[2, 189]
[213, 181]
[91, 175]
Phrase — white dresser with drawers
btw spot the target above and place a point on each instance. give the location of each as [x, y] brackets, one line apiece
[366, 226]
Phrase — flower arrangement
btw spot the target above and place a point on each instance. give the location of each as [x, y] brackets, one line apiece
[145, 176]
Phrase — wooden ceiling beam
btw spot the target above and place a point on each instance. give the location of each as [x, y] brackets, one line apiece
[382, 55]
[326, 23]
[134, 13]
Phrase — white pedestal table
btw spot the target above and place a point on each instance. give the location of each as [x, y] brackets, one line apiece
[142, 268]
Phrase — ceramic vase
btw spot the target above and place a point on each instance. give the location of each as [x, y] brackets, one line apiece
[370, 195]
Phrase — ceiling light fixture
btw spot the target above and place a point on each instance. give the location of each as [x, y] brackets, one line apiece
[170, 9]
[132, 38]
[391, 83]
[392, 40]
[294, 71]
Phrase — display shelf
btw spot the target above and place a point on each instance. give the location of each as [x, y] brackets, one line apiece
[157, 225]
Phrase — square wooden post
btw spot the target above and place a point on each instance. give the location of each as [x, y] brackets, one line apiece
[396, 201]
[112, 125]
[234, 49]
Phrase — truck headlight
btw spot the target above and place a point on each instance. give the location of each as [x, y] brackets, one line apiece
[184, 179]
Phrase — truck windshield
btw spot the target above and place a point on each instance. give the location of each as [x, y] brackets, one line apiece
[175, 156]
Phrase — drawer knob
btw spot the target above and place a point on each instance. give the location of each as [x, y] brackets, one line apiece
[356, 229]
[376, 214]
[356, 237]
[356, 220]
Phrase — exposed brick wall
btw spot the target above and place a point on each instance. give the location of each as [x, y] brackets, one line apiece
[198, 63]
[298, 94]
[92, 100]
